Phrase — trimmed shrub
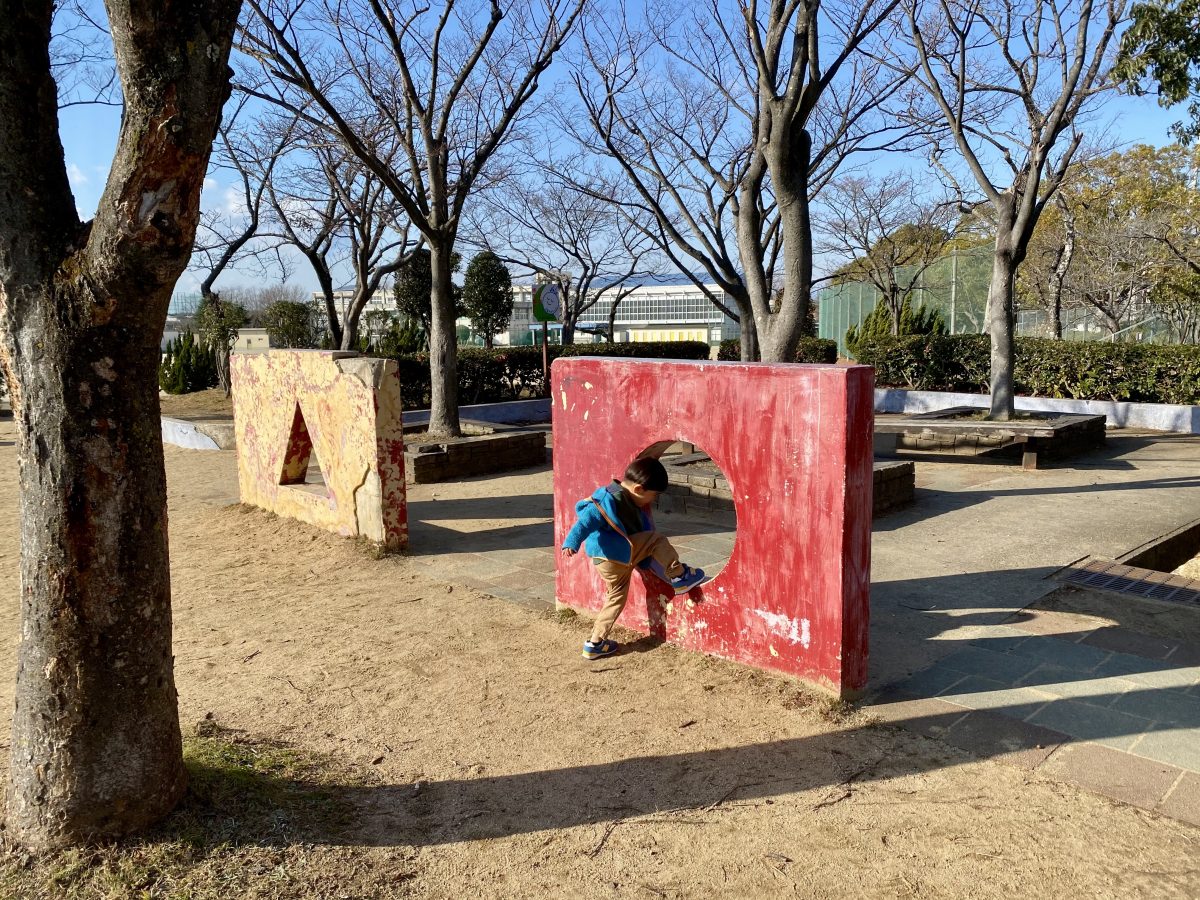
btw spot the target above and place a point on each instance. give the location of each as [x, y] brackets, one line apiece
[811, 350]
[515, 373]
[1141, 373]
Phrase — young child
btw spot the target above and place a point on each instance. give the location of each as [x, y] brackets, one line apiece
[615, 529]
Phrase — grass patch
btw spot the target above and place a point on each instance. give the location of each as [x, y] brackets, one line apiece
[260, 819]
[833, 710]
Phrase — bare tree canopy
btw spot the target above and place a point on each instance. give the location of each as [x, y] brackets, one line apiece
[96, 748]
[726, 120]
[1013, 81]
[424, 99]
[886, 230]
[565, 223]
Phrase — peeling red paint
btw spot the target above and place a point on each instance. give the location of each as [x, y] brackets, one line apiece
[794, 441]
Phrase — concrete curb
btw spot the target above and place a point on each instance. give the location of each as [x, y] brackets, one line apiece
[215, 435]
[1152, 416]
[511, 413]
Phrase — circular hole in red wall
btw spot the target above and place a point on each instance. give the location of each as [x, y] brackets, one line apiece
[696, 512]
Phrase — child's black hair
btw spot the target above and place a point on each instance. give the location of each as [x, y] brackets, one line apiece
[647, 472]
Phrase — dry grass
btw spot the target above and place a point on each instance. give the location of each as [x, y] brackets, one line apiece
[260, 819]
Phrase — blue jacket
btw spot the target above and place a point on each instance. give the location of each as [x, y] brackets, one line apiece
[598, 527]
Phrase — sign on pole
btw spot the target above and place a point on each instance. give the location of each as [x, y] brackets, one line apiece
[547, 303]
[547, 306]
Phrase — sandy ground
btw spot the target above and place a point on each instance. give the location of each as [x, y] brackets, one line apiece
[212, 402]
[506, 766]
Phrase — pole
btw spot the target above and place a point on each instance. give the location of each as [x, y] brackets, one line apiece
[545, 358]
[953, 285]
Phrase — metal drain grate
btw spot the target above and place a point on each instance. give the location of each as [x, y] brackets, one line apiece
[1108, 575]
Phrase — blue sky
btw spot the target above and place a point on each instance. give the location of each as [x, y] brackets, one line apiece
[89, 135]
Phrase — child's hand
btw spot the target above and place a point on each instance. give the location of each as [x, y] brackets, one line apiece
[568, 552]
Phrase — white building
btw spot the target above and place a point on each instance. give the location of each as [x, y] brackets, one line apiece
[669, 308]
[660, 308]
[381, 300]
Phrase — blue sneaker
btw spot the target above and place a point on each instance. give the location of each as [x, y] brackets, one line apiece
[688, 580]
[599, 649]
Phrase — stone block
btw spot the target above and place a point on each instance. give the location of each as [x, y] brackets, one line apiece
[292, 405]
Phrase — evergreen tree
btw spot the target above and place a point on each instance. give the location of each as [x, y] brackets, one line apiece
[414, 288]
[487, 295]
[878, 324]
[290, 324]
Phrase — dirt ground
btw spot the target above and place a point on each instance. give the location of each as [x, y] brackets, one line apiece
[212, 402]
[493, 762]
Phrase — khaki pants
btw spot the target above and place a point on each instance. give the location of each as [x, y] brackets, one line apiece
[646, 545]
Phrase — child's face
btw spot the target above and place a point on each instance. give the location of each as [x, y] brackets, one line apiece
[641, 496]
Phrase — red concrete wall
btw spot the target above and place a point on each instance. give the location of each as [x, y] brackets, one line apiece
[795, 443]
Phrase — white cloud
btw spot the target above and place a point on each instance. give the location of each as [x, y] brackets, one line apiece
[210, 183]
[76, 176]
[234, 202]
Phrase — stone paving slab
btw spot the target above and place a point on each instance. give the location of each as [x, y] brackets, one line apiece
[1090, 722]
[1140, 782]
[997, 736]
[1175, 746]
[1183, 800]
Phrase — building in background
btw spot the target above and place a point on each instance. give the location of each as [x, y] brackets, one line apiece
[381, 301]
[659, 308]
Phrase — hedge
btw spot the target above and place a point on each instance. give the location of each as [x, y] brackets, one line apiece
[811, 350]
[515, 373]
[1142, 373]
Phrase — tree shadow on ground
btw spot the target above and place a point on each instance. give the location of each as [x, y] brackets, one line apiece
[645, 788]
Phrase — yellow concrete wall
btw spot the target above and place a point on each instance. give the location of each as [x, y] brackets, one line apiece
[352, 413]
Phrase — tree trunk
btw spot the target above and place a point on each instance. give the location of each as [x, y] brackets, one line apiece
[749, 334]
[325, 281]
[1062, 265]
[96, 742]
[96, 745]
[568, 331]
[789, 163]
[443, 346]
[219, 351]
[349, 339]
[1000, 328]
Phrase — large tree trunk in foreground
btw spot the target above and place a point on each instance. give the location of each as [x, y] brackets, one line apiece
[96, 744]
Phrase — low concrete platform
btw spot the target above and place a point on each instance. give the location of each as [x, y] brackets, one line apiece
[698, 489]
[1040, 436]
[199, 432]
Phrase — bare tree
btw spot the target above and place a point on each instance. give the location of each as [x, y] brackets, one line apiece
[304, 215]
[562, 224]
[451, 84]
[81, 56]
[96, 747]
[726, 121]
[886, 231]
[1013, 81]
[376, 232]
[226, 234]
[333, 209]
